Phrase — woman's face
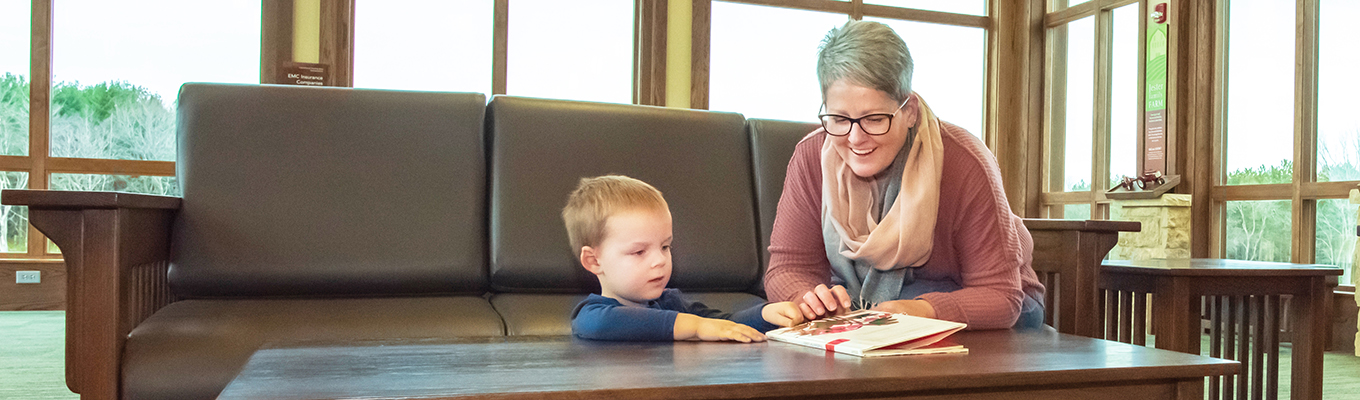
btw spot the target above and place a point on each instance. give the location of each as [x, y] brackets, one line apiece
[867, 155]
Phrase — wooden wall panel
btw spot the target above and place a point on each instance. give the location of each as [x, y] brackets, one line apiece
[50, 294]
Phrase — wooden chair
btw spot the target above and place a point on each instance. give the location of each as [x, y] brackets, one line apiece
[1067, 257]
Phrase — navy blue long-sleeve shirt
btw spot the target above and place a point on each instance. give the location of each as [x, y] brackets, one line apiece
[603, 318]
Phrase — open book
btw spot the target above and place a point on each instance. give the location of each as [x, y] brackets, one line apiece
[869, 333]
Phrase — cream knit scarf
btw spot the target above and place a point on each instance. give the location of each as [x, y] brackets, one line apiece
[903, 237]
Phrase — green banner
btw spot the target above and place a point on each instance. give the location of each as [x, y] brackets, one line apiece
[1154, 134]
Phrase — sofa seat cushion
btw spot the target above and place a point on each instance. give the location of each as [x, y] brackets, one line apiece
[192, 349]
[550, 314]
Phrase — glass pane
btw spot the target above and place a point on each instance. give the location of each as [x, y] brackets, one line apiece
[1337, 220]
[1075, 126]
[949, 69]
[1338, 124]
[1077, 211]
[14, 27]
[974, 7]
[157, 185]
[1260, 86]
[15, 226]
[764, 60]
[565, 50]
[423, 45]
[115, 82]
[1259, 230]
[1124, 107]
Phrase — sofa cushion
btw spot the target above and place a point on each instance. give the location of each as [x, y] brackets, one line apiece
[328, 191]
[550, 314]
[772, 144]
[700, 160]
[192, 349]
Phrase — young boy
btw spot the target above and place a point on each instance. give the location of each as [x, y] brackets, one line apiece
[621, 230]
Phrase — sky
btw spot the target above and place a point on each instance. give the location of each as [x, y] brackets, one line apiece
[763, 59]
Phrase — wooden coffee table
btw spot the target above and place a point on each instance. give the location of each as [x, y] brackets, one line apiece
[1001, 365]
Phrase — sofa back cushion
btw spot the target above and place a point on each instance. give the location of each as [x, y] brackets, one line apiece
[772, 144]
[540, 149]
[301, 191]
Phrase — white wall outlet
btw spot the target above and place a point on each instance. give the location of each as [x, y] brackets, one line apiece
[27, 276]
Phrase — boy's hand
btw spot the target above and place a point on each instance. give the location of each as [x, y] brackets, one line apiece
[783, 313]
[713, 330]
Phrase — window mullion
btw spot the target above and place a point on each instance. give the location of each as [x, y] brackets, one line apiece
[39, 108]
[1100, 129]
[1304, 210]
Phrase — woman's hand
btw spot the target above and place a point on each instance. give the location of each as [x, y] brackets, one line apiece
[919, 308]
[783, 313]
[822, 301]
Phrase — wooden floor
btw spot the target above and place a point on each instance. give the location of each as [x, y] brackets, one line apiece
[31, 352]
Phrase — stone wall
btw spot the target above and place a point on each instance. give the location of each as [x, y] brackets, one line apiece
[1166, 228]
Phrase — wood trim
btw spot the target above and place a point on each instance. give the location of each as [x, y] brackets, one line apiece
[500, 37]
[1055, 72]
[276, 38]
[649, 51]
[1192, 85]
[39, 108]
[1070, 14]
[936, 17]
[834, 6]
[1113, 4]
[1224, 193]
[700, 44]
[1052, 198]
[16, 163]
[63, 165]
[1283, 191]
[337, 40]
[1304, 210]
[1100, 122]
[857, 10]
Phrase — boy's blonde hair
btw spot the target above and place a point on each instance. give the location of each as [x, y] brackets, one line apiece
[596, 199]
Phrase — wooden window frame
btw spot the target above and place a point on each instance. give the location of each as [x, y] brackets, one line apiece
[1054, 197]
[1196, 80]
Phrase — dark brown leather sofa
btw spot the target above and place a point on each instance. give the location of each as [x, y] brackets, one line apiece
[337, 214]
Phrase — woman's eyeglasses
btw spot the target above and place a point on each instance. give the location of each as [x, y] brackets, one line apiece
[872, 124]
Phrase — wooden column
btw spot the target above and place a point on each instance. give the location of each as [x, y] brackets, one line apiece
[1193, 133]
[1015, 133]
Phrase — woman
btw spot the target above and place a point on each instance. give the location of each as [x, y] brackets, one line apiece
[887, 207]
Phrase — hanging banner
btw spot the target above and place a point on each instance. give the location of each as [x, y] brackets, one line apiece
[1154, 135]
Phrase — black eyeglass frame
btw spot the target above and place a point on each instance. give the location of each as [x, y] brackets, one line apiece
[853, 121]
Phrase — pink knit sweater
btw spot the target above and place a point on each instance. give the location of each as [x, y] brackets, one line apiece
[979, 243]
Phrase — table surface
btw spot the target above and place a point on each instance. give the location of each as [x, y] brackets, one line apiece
[528, 367]
[1217, 267]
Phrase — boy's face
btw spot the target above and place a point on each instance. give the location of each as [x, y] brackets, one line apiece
[633, 261]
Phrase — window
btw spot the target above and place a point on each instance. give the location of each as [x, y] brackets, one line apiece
[423, 45]
[764, 60]
[972, 7]
[1260, 91]
[949, 69]
[1259, 230]
[560, 49]
[14, 43]
[1338, 151]
[116, 71]
[1075, 126]
[115, 80]
[1094, 114]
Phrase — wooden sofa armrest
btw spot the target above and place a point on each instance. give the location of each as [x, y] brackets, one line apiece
[1067, 257]
[116, 248]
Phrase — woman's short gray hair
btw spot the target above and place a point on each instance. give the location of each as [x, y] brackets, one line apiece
[867, 53]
